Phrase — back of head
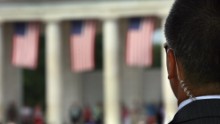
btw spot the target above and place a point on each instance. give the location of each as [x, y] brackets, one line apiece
[193, 31]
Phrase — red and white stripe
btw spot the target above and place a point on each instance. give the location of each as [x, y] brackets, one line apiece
[139, 44]
[82, 48]
[25, 47]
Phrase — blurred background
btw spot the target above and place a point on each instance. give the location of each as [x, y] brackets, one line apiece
[84, 62]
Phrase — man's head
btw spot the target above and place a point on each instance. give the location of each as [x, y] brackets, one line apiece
[192, 30]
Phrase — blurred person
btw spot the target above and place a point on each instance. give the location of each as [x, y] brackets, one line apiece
[87, 115]
[26, 115]
[135, 112]
[151, 113]
[160, 113]
[38, 115]
[192, 30]
[75, 113]
[98, 114]
[142, 114]
[12, 113]
[134, 116]
[126, 119]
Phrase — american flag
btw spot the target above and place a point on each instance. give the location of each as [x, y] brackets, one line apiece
[139, 42]
[82, 41]
[25, 45]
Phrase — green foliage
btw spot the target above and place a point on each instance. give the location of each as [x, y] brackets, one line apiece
[99, 52]
[156, 56]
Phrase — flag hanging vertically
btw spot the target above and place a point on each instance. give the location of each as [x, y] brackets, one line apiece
[25, 45]
[82, 41]
[139, 42]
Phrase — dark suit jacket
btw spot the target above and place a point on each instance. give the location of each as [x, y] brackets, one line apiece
[199, 112]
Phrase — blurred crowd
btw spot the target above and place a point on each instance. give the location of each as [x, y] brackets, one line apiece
[137, 114]
[78, 114]
[25, 115]
[86, 114]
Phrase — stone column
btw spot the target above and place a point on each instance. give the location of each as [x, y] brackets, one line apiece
[1, 75]
[111, 72]
[53, 72]
[170, 103]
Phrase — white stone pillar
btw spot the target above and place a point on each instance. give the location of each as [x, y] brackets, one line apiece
[111, 72]
[170, 102]
[1, 75]
[53, 72]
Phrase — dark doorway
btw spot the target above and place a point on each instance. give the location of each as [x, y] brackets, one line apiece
[34, 80]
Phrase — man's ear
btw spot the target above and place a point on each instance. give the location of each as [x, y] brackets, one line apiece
[171, 64]
[172, 71]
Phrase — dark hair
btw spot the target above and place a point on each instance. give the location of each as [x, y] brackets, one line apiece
[192, 30]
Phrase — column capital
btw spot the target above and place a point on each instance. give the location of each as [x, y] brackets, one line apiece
[107, 18]
[51, 20]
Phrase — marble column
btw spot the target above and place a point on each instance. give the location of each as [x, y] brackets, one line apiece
[170, 103]
[111, 72]
[53, 73]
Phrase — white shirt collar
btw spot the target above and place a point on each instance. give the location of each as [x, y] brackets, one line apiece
[186, 102]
